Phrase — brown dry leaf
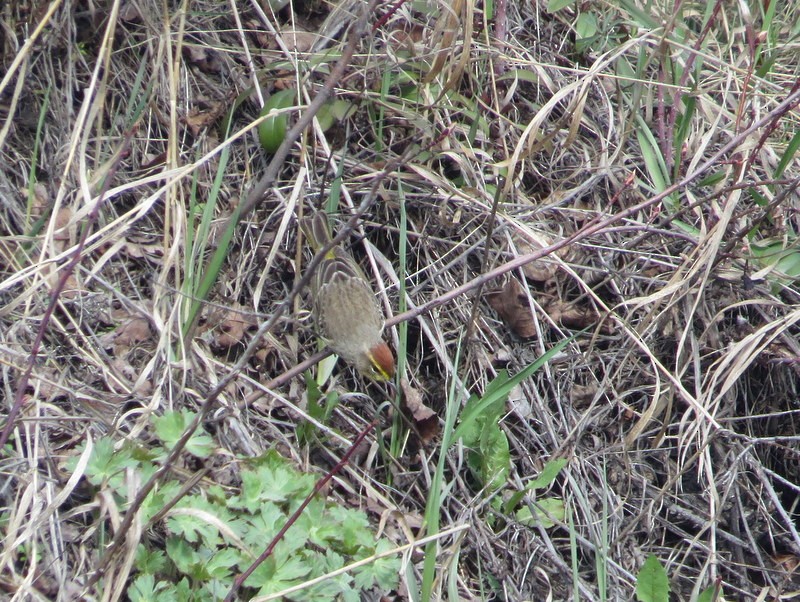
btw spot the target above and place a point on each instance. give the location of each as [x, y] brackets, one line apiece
[64, 236]
[425, 419]
[511, 304]
[407, 40]
[263, 39]
[45, 382]
[72, 288]
[574, 316]
[538, 270]
[582, 395]
[63, 233]
[203, 58]
[298, 39]
[129, 13]
[266, 356]
[204, 116]
[132, 331]
[230, 327]
[154, 162]
[789, 562]
[128, 373]
[284, 83]
[41, 200]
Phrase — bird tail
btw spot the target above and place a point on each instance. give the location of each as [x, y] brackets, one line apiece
[316, 230]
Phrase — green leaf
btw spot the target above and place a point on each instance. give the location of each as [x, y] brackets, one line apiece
[524, 75]
[499, 388]
[317, 526]
[652, 583]
[274, 484]
[150, 561]
[257, 530]
[182, 554]
[641, 16]
[170, 428]
[495, 457]
[282, 483]
[485, 409]
[712, 178]
[272, 130]
[586, 25]
[554, 6]
[789, 264]
[651, 154]
[758, 198]
[549, 473]
[547, 512]
[688, 228]
[552, 511]
[288, 573]
[221, 561]
[384, 573]
[788, 156]
[489, 457]
[684, 122]
[109, 465]
[143, 589]
[158, 497]
[333, 111]
[192, 528]
[354, 528]
[710, 594]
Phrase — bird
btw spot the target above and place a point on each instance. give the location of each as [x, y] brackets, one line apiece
[346, 313]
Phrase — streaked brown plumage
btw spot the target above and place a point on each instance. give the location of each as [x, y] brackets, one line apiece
[345, 309]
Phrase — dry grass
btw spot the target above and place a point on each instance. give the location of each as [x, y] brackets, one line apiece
[137, 265]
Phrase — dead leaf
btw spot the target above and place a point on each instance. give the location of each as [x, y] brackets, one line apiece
[45, 383]
[582, 395]
[229, 327]
[409, 41]
[41, 200]
[298, 40]
[425, 420]
[502, 357]
[273, 6]
[154, 162]
[63, 233]
[575, 316]
[519, 402]
[204, 116]
[788, 562]
[262, 38]
[132, 331]
[203, 58]
[72, 289]
[538, 270]
[511, 304]
[265, 358]
[129, 13]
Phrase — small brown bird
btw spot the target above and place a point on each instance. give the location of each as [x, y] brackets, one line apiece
[346, 312]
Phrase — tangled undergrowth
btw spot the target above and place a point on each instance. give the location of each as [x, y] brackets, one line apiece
[582, 216]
